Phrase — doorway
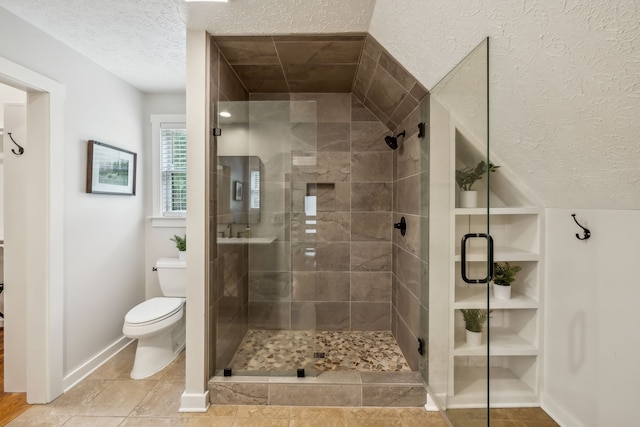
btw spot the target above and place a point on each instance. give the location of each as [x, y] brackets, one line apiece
[43, 236]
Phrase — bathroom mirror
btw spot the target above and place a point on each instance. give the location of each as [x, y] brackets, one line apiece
[240, 189]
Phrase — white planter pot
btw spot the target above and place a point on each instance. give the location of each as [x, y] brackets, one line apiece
[473, 338]
[182, 255]
[468, 199]
[501, 292]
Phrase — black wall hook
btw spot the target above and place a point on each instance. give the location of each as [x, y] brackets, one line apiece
[20, 151]
[586, 231]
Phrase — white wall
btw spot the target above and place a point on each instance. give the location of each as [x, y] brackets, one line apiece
[565, 105]
[157, 243]
[592, 345]
[15, 256]
[8, 95]
[103, 235]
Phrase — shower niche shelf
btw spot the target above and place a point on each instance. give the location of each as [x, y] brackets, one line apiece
[515, 323]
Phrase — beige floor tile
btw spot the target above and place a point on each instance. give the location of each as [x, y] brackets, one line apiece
[260, 422]
[148, 422]
[264, 412]
[528, 414]
[94, 422]
[317, 413]
[426, 423]
[174, 371]
[118, 398]
[375, 413]
[321, 422]
[162, 401]
[35, 419]
[75, 400]
[208, 422]
[370, 422]
[118, 367]
[220, 411]
[414, 417]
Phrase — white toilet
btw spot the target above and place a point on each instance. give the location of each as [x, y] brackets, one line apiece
[158, 323]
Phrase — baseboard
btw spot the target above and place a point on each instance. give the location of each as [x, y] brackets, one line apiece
[558, 414]
[94, 363]
[194, 402]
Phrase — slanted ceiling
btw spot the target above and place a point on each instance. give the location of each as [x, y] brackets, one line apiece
[331, 63]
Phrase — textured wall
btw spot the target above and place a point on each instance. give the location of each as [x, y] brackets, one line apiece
[565, 100]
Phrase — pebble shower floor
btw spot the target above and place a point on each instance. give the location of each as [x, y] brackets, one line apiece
[268, 350]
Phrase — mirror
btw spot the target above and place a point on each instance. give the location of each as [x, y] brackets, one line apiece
[240, 189]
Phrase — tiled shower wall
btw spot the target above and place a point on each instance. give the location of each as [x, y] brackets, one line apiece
[345, 282]
[410, 252]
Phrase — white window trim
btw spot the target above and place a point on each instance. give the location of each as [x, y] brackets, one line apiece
[157, 219]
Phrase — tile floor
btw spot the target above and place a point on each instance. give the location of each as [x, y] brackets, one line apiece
[269, 350]
[109, 398]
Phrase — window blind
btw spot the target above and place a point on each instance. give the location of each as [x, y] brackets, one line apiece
[255, 190]
[174, 169]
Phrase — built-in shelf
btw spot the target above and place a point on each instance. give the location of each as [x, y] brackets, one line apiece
[476, 297]
[504, 342]
[506, 389]
[498, 211]
[499, 254]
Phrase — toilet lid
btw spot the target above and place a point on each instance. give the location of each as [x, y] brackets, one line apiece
[153, 309]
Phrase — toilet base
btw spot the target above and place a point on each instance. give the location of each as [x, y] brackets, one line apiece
[155, 353]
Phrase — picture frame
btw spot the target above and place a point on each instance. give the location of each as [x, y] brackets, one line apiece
[110, 170]
[238, 189]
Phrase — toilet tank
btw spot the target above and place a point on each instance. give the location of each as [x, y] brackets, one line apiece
[172, 275]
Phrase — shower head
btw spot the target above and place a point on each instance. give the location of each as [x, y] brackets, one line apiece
[392, 141]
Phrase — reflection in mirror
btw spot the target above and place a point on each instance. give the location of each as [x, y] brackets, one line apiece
[240, 189]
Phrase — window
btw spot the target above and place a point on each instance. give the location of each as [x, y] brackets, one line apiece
[169, 169]
[174, 169]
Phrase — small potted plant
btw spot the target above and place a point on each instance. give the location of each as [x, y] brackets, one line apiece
[474, 319]
[465, 178]
[503, 276]
[181, 244]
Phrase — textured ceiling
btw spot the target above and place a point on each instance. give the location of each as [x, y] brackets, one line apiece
[143, 41]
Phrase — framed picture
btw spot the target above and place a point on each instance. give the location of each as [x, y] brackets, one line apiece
[110, 170]
[237, 191]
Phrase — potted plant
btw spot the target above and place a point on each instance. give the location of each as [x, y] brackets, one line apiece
[503, 276]
[181, 244]
[474, 319]
[465, 178]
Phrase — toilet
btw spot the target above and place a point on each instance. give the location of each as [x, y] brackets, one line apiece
[158, 323]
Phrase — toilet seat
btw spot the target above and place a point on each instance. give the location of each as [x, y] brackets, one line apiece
[153, 310]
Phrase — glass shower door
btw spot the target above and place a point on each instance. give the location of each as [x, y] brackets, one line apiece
[459, 312]
[266, 235]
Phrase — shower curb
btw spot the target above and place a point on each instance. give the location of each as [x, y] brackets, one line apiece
[333, 388]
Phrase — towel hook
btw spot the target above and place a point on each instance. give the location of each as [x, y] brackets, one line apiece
[20, 149]
[586, 231]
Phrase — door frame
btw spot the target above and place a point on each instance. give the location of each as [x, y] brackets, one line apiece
[45, 237]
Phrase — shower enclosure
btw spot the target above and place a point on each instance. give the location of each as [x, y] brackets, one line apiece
[267, 226]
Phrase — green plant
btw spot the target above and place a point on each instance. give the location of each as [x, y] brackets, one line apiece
[474, 318]
[181, 242]
[504, 274]
[466, 177]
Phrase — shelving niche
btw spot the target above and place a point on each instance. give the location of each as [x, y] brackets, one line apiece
[515, 325]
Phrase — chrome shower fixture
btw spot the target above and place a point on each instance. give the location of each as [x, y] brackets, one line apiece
[392, 141]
